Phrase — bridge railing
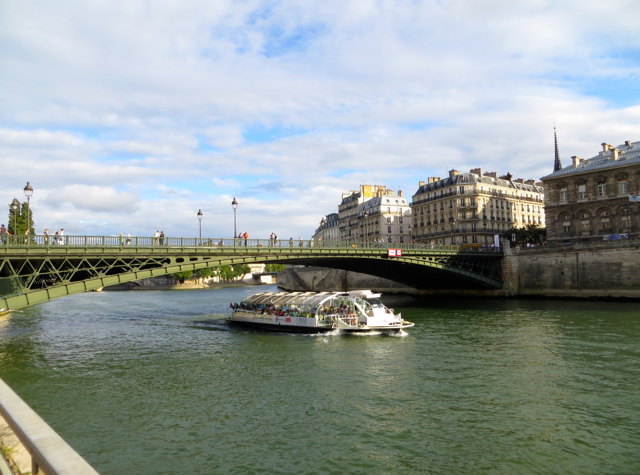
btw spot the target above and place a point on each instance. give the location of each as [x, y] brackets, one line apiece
[142, 241]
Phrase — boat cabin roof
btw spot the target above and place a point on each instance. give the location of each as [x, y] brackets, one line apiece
[303, 298]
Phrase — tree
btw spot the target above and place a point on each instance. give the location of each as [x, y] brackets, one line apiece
[182, 276]
[18, 220]
[528, 234]
[274, 267]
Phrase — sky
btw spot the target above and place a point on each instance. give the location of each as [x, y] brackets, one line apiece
[130, 116]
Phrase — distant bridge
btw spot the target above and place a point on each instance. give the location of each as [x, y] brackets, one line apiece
[36, 269]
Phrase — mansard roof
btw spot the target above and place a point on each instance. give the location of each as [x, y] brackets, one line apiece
[386, 200]
[628, 154]
[471, 178]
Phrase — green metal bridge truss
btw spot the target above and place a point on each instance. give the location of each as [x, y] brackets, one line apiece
[41, 268]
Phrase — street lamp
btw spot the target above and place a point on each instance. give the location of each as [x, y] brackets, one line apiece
[234, 205]
[28, 191]
[15, 204]
[200, 221]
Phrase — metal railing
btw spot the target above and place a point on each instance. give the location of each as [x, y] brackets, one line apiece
[89, 242]
[50, 454]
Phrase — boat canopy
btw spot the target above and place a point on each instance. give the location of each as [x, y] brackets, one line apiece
[301, 298]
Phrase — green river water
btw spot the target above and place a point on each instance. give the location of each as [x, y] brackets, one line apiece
[155, 383]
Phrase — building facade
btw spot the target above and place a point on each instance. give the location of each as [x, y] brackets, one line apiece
[385, 218]
[594, 199]
[470, 208]
[327, 230]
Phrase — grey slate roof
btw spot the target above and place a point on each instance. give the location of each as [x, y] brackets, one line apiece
[467, 178]
[386, 200]
[628, 155]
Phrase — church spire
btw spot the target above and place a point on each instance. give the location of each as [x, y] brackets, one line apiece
[556, 165]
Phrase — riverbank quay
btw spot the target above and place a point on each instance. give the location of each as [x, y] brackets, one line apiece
[601, 270]
[170, 283]
[29, 445]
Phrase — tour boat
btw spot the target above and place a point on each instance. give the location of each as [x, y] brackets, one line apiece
[315, 312]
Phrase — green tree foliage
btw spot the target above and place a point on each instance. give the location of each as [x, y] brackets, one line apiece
[528, 234]
[18, 221]
[274, 267]
[203, 273]
[182, 276]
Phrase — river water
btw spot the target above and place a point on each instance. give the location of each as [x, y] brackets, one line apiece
[155, 383]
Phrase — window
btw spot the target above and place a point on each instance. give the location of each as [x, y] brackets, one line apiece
[461, 189]
[602, 189]
[400, 219]
[388, 219]
[401, 229]
[582, 192]
[473, 227]
[622, 187]
[473, 214]
[605, 223]
[472, 201]
[585, 223]
[462, 202]
[564, 195]
[566, 224]
[389, 229]
[474, 238]
[464, 239]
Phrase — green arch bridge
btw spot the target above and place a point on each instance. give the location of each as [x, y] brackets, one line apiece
[36, 269]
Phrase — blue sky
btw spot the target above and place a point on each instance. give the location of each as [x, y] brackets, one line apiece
[130, 116]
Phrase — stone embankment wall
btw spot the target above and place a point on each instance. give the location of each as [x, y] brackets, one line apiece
[591, 270]
[607, 269]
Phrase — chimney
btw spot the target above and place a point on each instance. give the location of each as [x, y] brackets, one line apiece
[453, 173]
[628, 143]
[605, 146]
[491, 174]
[433, 179]
[519, 180]
[476, 171]
[421, 183]
[615, 153]
[576, 160]
[400, 194]
[530, 182]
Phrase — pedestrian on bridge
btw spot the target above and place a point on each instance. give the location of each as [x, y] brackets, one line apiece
[291, 242]
[4, 232]
[301, 244]
[161, 238]
[246, 239]
[155, 238]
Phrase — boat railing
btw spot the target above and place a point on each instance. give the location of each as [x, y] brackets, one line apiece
[350, 319]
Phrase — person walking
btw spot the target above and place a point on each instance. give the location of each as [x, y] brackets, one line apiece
[155, 238]
[46, 237]
[62, 241]
[300, 244]
[271, 239]
[291, 242]
[121, 239]
[4, 232]
[162, 238]
[128, 239]
[246, 239]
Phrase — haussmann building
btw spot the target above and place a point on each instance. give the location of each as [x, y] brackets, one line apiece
[471, 208]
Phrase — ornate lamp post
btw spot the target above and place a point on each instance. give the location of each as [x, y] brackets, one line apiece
[28, 191]
[200, 221]
[234, 205]
[15, 204]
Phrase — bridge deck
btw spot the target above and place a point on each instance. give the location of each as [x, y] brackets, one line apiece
[35, 269]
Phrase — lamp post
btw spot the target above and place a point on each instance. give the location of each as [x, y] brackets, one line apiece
[15, 204]
[200, 221]
[28, 191]
[234, 205]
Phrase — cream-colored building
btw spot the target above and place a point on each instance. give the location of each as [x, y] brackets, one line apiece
[471, 208]
[327, 229]
[372, 213]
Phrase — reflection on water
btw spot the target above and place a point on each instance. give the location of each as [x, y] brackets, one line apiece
[155, 382]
